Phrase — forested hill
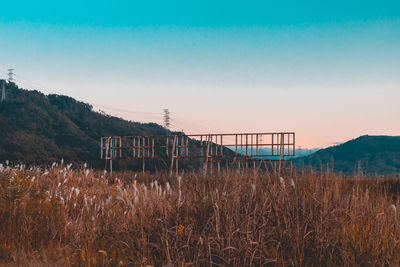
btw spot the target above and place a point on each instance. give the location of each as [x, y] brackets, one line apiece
[40, 129]
[365, 154]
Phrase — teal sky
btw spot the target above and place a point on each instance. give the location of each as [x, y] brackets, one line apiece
[328, 70]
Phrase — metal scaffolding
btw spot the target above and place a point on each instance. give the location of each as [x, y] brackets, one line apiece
[207, 147]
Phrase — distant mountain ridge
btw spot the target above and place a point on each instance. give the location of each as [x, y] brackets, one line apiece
[366, 154]
[300, 152]
[40, 129]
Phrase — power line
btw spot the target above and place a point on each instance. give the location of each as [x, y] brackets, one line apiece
[40, 86]
[166, 118]
[192, 125]
[33, 85]
[125, 110]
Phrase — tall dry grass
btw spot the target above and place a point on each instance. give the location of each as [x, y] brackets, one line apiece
[81, 217]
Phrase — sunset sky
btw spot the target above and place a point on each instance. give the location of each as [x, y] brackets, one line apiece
[327, 70]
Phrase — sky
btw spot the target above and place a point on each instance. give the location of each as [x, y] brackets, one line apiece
[327, 70]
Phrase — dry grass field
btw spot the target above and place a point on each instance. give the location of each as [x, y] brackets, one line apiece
[61, 216]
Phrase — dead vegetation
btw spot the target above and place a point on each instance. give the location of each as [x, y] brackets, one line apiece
[61, 216]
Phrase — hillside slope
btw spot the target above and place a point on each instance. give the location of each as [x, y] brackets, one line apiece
[40, 129]
[366, 154]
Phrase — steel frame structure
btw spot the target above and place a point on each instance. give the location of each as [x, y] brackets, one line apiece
[208, 147]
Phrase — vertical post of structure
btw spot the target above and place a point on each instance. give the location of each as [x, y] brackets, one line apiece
[152, 153]
[294, 146]
[106, 154]
[252, 144]
[283, 152]
[143, 152]
[112, 154]
[207, 154]
[221, 147]
[257, 145]
[280, 153]
[182, 146]
[172, 156]
[241, 145]
[166, 145]
[120, 147]
[177, 167]
[187, 146]
[247, 144]
[272, 145]
[178, 154]
[236, 145]
[134, 147]
[216, 145]
[111, 167]
[211, 155]
[138, 147]
[201, 152]
[148, 147]
[101, 148]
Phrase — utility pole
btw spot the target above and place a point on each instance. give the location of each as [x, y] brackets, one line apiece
[10, 75]
[166, 118]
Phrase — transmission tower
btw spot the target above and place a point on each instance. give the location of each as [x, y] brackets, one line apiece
[10, 75]
[166, 118]
[3, 91]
